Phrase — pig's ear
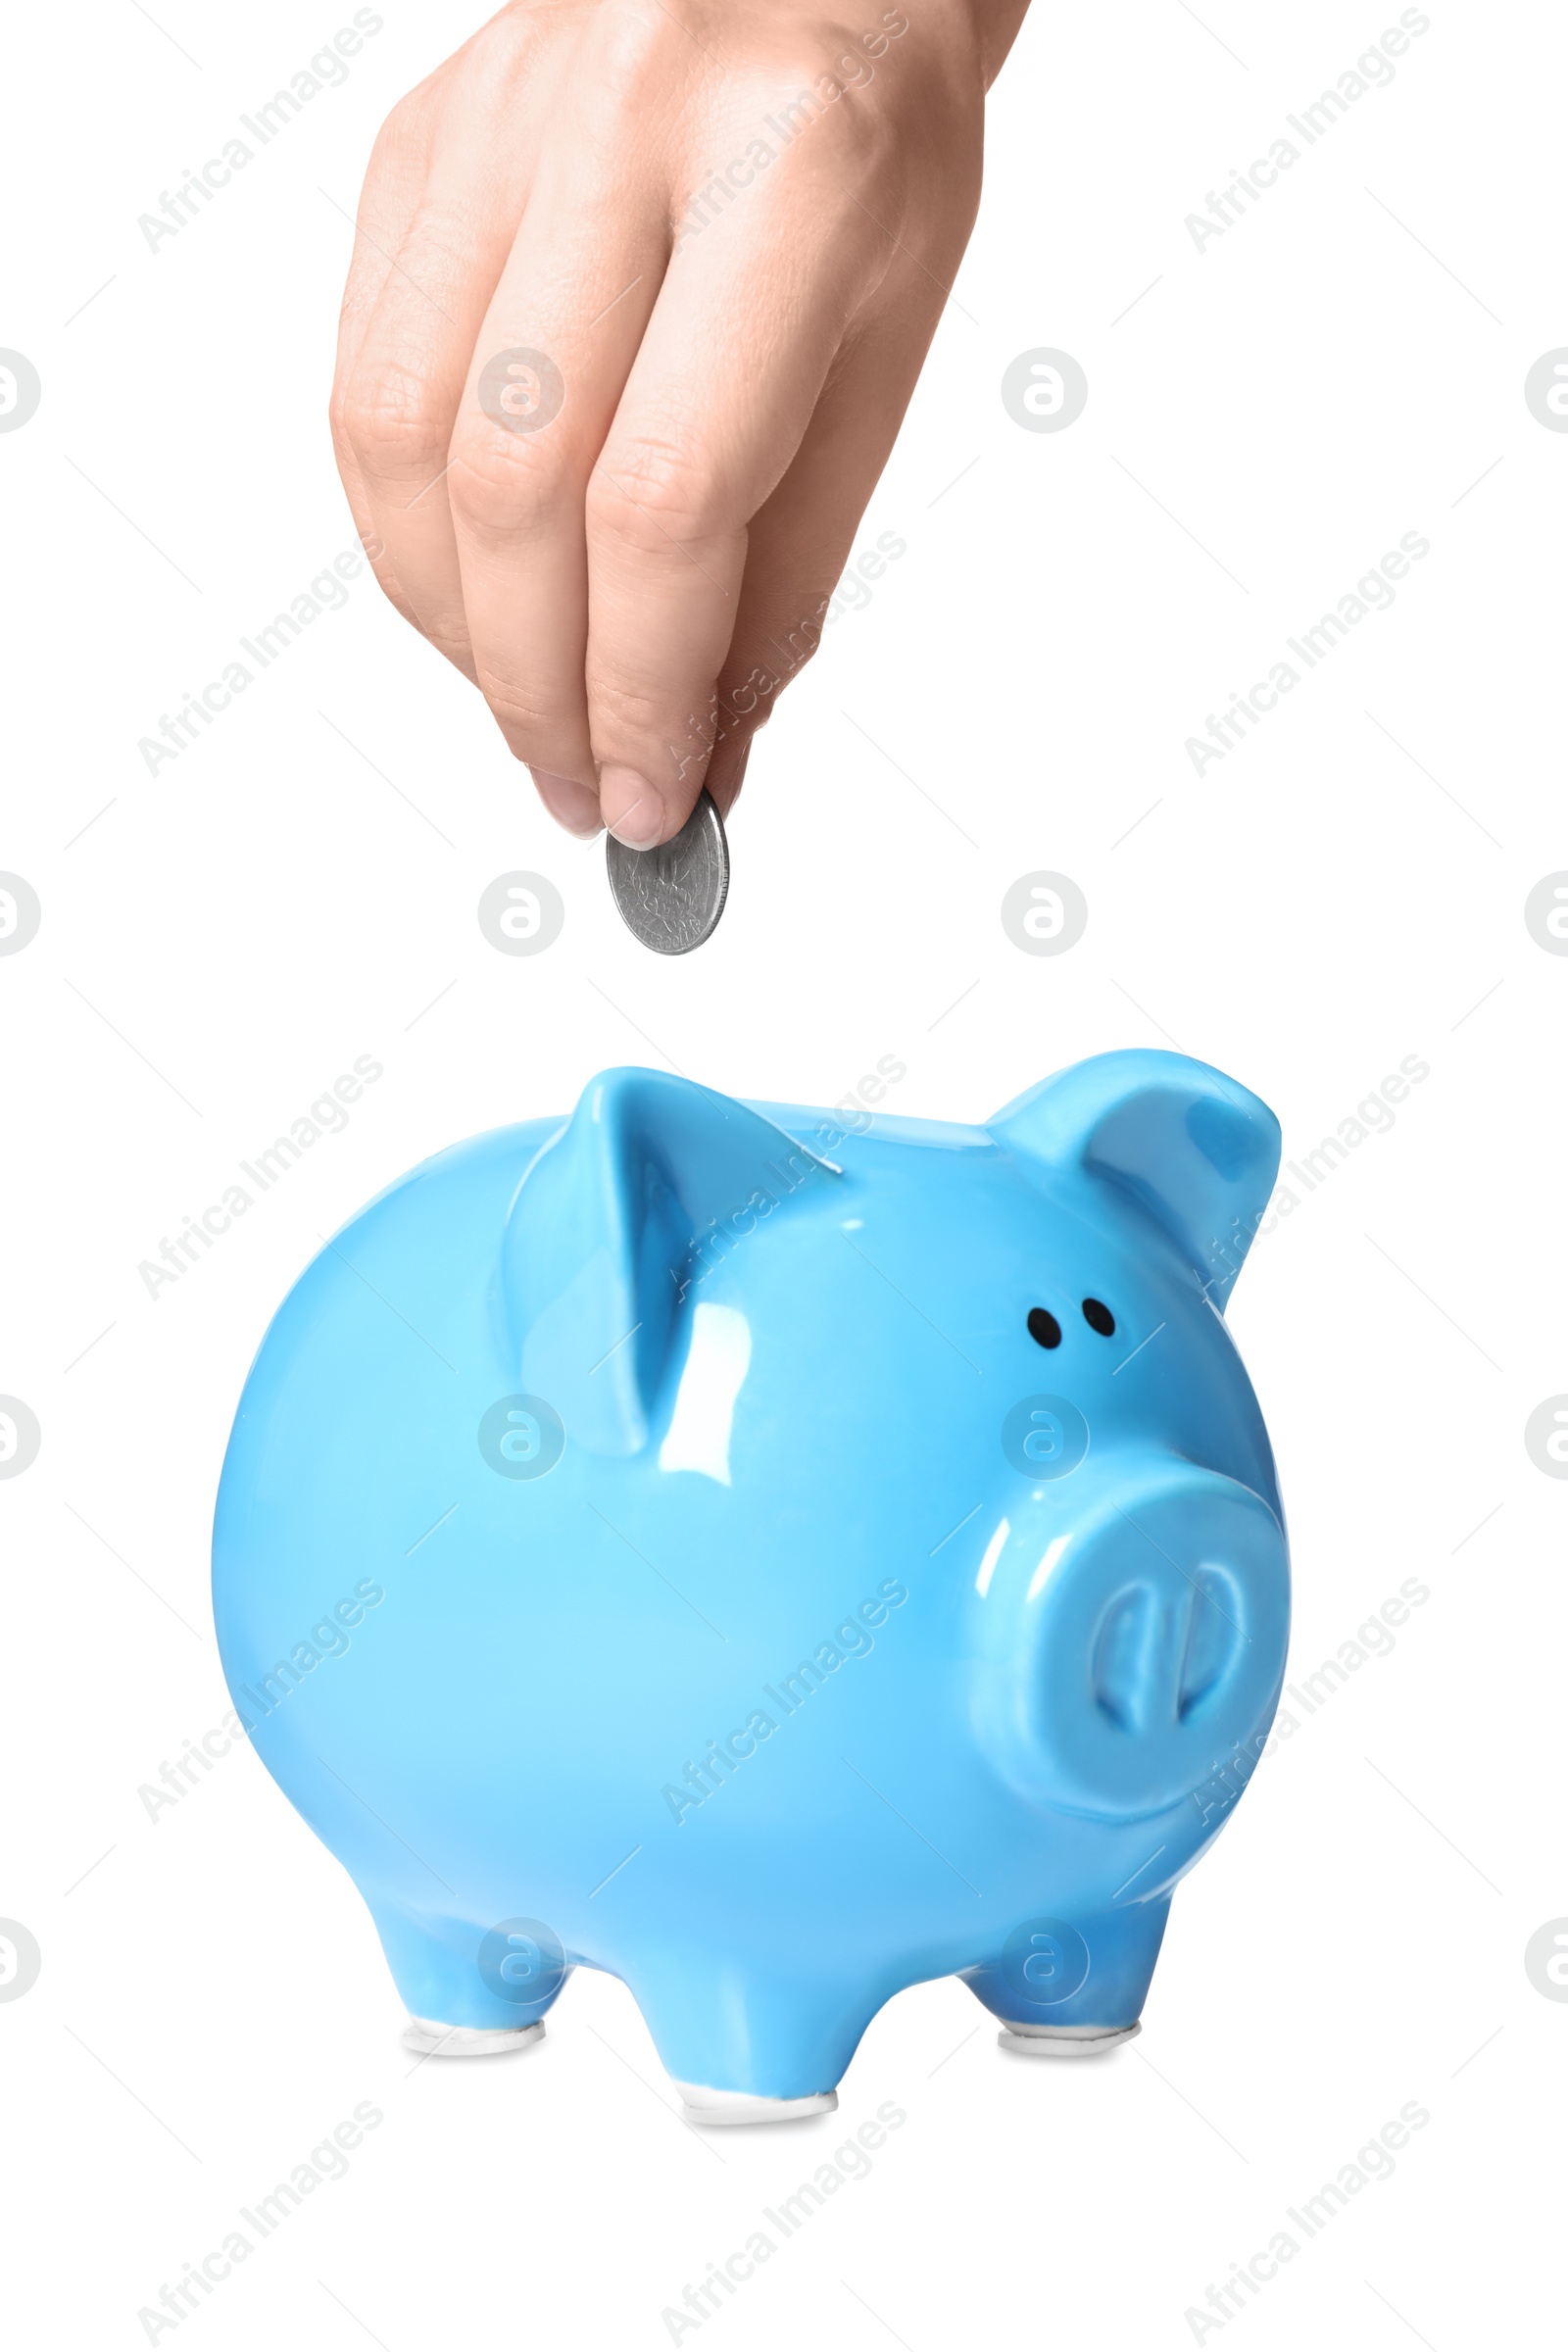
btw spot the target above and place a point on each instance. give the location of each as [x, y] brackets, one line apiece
[1193, 1150]
[602, 1238]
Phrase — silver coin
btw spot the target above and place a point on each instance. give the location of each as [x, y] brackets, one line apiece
[673, 897]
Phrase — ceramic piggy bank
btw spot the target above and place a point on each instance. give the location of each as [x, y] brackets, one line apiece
[773, 1557]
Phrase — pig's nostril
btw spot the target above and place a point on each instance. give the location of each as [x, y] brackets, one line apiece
[1044, 1327]
[1099, 1318]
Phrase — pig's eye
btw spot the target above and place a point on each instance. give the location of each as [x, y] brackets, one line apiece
[1099, 1318]
[1044, 1327]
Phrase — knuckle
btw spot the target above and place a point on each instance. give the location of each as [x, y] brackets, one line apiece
[511, 44]
[391, 416]
[402, 135]
[629, 46]
[338, 421]
[539, 737]
[521, 716]
[497, 488]
[861, 138]
[622, 710]
[450, 638]
[827, 89]
[400, 143]
[524, 721]
[649, 494]
[853, 151]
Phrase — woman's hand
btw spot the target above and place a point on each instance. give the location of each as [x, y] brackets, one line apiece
[640, 294]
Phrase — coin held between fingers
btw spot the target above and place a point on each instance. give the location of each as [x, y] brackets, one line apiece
[671, 898]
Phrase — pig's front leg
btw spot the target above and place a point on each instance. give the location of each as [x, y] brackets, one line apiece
[470, 1992]
[1072, 1989]
[753, 2036]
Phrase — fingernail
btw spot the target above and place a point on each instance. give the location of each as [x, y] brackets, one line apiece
[572, 805]
[631, 809]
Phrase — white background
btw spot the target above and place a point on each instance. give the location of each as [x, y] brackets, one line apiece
[1343, 367]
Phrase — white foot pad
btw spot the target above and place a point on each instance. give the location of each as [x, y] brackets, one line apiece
[432, 2040]
[705, 2106]
[1064, 2041]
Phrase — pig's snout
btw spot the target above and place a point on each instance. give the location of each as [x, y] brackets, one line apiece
[1135, 1633]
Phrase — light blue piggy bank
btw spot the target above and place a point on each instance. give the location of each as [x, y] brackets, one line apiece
[772, 1563]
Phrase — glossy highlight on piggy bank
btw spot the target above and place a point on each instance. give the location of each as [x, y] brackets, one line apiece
[813, 1557]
